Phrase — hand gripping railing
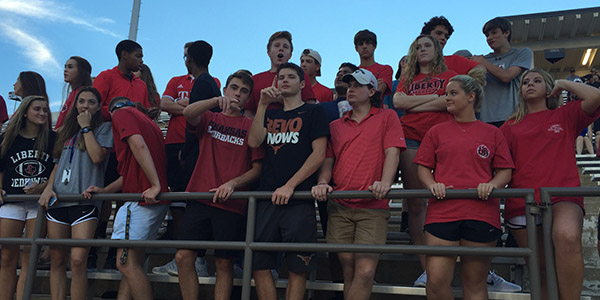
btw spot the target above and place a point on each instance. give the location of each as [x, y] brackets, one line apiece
[248, 246]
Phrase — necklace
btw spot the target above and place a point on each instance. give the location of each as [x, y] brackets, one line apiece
[463, 129]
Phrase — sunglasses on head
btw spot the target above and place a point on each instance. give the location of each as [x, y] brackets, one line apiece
[121, 105]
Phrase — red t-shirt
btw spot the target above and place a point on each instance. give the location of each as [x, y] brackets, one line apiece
[464, 155]
[265, 79]
[112, 83]
[459, 64]
[65, 108]
[359, 152]
[384, 72]
[417, 124]
[322, 93]
[542, 148]
[130, 121]
[178, 88]
[3, 111]
[224, 154]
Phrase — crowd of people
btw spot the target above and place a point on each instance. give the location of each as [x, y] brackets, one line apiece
[447, 121]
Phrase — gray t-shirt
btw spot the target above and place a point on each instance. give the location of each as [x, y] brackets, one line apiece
[83, 171]
[500, 100]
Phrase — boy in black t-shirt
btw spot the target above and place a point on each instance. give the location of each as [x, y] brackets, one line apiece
[296, 139]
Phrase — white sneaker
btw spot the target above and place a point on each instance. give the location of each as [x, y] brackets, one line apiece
[422, 280]
[238, 271]
[496, 283]
[201, 268]
[164, 270]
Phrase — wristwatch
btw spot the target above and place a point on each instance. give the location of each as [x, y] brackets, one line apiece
[86, 129]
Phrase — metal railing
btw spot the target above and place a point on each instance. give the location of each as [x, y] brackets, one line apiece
[249, 246]
[546, 195]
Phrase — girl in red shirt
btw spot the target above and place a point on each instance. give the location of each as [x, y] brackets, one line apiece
[462, 153]
[421, 93]
[77, 74]
[540, 136]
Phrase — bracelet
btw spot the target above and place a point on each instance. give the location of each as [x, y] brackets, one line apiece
[322, 183]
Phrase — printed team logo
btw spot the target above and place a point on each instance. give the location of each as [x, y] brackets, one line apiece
[30, 168]
[483, 151]
[64, 108]
[282, 132]
[556, 128]
[182, 94]
[427, 86]
[305, 259]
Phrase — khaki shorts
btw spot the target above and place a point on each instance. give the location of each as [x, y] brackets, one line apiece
[356, 225]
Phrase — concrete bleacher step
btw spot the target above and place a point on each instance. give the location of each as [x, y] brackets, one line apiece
[322, 285]
[591, 170]
[581, 157]
[588, 163]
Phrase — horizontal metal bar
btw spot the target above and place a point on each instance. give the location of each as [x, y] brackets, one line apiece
[177, 244]
[404, 249]
[572, 191]
[182, 196]
[16, 241]
[309, 247]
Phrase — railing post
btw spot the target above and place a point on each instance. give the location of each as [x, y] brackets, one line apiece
[250, 223]
[34, 253]
[551, 281]
[534, 265]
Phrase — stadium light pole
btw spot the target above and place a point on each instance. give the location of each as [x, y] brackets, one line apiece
[135, 19]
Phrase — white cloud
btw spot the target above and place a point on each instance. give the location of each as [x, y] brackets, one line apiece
[51, 11]
[33, 48]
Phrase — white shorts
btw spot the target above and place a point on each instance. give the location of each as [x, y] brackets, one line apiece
[519, 222]
[19, 211]
[144, 221]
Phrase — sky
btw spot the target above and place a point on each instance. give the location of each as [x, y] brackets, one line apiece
[41, 35]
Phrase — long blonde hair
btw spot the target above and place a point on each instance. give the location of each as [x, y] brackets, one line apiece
[17, 122]
[438, 65]
[551, 103]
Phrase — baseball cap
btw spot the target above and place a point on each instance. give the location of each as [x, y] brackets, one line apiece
[315, 55]
[361, 76]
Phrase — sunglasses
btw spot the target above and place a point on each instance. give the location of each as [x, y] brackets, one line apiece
[121, 105]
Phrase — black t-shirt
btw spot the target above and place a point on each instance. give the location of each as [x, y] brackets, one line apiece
[205, 87]
[289, 143]
[20, 163]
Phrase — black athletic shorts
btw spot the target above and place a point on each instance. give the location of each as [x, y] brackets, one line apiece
[292, 223]
[470, 230]
[72, 215]
[203, 222]
[174, 169]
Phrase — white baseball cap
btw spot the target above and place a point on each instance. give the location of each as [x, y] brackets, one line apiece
[361, 76]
